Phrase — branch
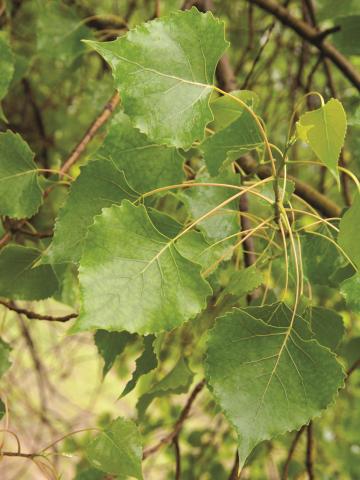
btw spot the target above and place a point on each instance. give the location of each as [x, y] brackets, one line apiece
[92, 130]
[293, 445]
[312, 36]
[178, 425]
[36, 316]
[309, 452]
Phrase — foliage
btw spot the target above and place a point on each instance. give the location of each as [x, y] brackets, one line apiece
[205, 238]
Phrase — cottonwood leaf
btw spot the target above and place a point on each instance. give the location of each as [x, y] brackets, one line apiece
[146, 165]
[7, 69]
[350, 290]
[110, 345]
[59, 32]
[327, 326]
[349, 231]
[200, 200]
[147, 362]
[243, 281]
[324, 130]
[267, 378]
[20, 280]
[226, 145]
[177, 381]
[20, 190]
[99, 185]
[117, 450]
[133, 278]
[127, 164]
[5, 363]
[164, 70]
[321, 258]
[226, 110]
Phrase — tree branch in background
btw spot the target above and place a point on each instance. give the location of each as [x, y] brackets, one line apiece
[36, 316]
[313, 36]
[92, 130]
[293, 446]
[309, 452]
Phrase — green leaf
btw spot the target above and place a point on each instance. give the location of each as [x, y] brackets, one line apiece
[324, 130]
[267, 378]
[7, 67]
[144, 364]
[59, 32]
[350, 290]
[243, 282]
[110, 345]
[201, 200]
[334, 8]
[349, 231]
[90, 474]
[133, 277]
[117, 450]
[321, 258]
[99, 185]
[177, 381]
[19, 279]
[146, 165]
[226, 110]
[164, 70]
[347, 39]
[5, 363]
[2, 409]
[126, 158]
[231, 142]
[20, 191]
[326, 325]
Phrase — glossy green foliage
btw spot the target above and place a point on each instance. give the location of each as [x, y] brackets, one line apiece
[273, 376]
[350, 289]
[21, 279]
[164, 70]
[349, 231]
[7, 69]
[130, 267]
[117, 450]
[5, 363]
[110, 345]
[178, 380]
[20, 190]
[324, 130]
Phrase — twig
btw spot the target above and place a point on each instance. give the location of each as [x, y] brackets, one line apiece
[234, 474]
[313, 36]
[92, 130]
[309, 452]
[178, 425]
[177, 458]
[36, 316]
[352, 369]
[291, 453]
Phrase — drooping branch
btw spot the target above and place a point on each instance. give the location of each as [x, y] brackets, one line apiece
[313, 36]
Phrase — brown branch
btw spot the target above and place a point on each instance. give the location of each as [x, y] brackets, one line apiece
[352, 369]
[309, 452]
[234, 474]
[36, 316]
[293, 446]
[178, 425]
[177, 458]
[313, 36]
[92, 130]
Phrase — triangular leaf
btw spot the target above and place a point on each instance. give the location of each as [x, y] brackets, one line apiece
[350, 290]
[326, 325]
[117, 450]
[178, 380]
[164, 70]
[144, 364]
[20, 191]
[324, 130]
[133, 277]
[266, 378]
[110, 345]
[19, 279]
